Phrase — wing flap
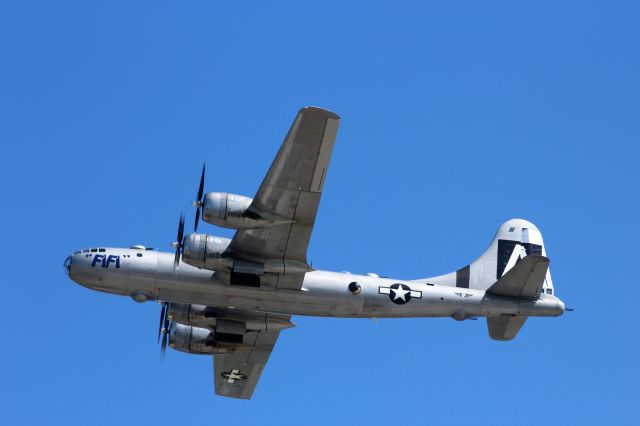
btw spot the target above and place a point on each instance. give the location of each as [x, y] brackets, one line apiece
[324, 154]
[300, 231]
[524, 280]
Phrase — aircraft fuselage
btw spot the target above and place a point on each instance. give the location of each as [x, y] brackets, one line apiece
[150, 275]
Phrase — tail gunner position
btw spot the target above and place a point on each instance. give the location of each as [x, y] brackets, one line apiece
[231, 297]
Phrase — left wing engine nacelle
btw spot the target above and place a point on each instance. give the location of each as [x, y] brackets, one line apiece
[230, 211]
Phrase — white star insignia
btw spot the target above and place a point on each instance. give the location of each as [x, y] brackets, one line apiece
[400, 293]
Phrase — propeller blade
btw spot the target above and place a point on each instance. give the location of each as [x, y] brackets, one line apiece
[163, 345]
[178, 244]
[181, 229]
[176, 260]
[162, 316]
[166, 335]
[198, 202]
[201, 188]
[167, 324]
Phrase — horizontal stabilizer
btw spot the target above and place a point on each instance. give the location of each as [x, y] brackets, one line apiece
[524, 280]
[505, 327]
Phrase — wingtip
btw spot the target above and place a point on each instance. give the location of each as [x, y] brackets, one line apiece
[319, 110]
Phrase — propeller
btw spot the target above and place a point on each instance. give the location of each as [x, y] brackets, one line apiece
[178, 244]
[199, 201]
[164, 328]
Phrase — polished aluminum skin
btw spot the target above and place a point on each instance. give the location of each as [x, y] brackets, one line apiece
[231, 297]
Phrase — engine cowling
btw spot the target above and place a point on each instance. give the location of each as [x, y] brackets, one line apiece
[190, 314]
[196, 340]
[230, 211]
[206, 251]
[192, 340]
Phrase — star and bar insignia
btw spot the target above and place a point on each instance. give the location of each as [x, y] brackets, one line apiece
[400, 293]
[233, 375]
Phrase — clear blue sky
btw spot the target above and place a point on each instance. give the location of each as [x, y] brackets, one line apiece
[456, 116]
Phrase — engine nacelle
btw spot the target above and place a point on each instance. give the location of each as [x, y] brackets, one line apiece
[206, 251]
[230, 211]
[226, 322]
[192, 340]
[195, 340]
[190, 314]
[209, 252]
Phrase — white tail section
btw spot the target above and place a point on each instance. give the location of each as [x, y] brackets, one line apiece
[515, 239]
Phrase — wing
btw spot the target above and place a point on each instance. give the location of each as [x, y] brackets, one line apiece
[290, 193]
[236, 374]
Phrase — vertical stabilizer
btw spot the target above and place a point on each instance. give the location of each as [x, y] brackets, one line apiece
[514, 240]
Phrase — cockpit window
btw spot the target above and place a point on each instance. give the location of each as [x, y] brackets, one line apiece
[101, 250]
[139, 254]
[85, 251]
[94, 250]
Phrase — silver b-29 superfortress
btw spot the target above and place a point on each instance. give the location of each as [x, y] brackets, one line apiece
[230, 298]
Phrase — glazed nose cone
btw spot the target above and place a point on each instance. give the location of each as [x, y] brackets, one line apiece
[67, 265]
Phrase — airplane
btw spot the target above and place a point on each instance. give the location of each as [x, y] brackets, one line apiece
[231, 298]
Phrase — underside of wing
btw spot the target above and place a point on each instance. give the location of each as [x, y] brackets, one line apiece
[236, 374]
[240, 341]
[289, 196]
